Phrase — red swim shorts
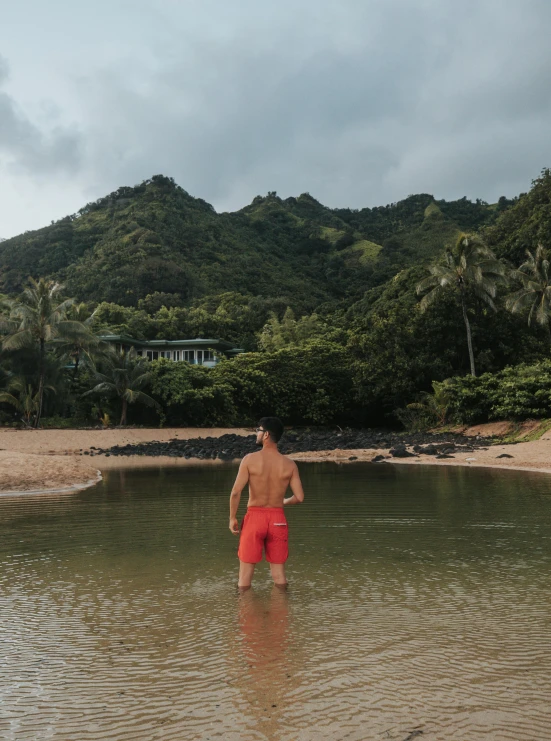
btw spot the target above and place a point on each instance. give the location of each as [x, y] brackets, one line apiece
[264, 527]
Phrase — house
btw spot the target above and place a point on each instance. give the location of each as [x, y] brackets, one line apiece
[197, 352]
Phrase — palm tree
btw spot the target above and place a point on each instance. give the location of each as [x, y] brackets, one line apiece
[430, 408]
[535, 277]
[37, 319]
[27, 399]
[471, 268]
[125, 376]
[82, 344]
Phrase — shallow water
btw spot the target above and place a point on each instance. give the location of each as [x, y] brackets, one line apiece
[419, 601]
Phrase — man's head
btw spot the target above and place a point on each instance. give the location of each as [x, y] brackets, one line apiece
[269, 429]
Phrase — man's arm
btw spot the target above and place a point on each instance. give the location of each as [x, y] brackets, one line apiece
[296, 487]
[235, 496]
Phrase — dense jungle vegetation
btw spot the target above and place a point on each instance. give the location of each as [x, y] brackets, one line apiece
[370, 316]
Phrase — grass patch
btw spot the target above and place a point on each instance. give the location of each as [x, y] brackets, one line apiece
[517, 434]
[368, 250]
[330, 234]
[432, 210]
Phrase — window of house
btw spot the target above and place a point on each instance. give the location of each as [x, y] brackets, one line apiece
[176, 354]
[208, 355]
[189, 355]
[149, 355]
[139, 353]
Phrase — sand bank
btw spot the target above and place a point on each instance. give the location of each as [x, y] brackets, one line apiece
[28, 472]
[51, 460]
[46, 460]
[527, 456]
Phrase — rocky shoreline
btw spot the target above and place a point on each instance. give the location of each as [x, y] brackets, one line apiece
[231, 446]
[46, 460]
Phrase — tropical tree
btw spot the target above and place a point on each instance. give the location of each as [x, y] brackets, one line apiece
[428, 410]
[23, 397]
[534, 295]
[82, 345]
[36, 319]
[125, 376]
[471, 270]
[277, 334]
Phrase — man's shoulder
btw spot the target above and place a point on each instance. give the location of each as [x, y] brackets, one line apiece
[254, 454]
[251, 456]
[289, 461]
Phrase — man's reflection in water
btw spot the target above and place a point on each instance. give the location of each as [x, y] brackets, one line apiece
[264, 651]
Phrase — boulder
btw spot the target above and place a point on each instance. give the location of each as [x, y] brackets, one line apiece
[400, 451]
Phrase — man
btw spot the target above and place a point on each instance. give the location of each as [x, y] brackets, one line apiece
[268, 474]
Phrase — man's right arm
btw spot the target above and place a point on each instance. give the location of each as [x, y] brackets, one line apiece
[235, 496]
[296, 487]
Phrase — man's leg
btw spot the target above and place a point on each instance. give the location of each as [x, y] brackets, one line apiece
[278, 574]
[246, 571]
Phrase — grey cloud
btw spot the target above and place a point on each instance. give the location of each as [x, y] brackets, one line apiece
[4, 69]
[439, 97]
[26, 148]
[361, 102]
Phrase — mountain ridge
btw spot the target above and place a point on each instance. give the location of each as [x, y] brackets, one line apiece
[156, 237]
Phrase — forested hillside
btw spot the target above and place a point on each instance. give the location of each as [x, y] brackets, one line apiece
[332, 306]
[155, 237]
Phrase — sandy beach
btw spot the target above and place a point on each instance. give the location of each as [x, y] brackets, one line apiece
[51, 460]
[62, 460]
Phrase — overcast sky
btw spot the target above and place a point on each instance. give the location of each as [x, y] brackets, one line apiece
[358, 102]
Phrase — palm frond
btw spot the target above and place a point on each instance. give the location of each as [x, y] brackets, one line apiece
[133, 395]
[519, 301]
[429, 298]
[102, 388]
[7, 398]
[484, 296]
[18, 340]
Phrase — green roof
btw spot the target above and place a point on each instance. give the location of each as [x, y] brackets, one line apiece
[214, 343]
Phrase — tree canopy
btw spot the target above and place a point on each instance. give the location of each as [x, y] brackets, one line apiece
[323, 302]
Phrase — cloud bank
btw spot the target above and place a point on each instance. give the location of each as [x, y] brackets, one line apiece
[360, 103]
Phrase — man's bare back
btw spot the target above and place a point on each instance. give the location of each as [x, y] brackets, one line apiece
[269, 474]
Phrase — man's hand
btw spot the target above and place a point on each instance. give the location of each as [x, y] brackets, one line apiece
[234, 525]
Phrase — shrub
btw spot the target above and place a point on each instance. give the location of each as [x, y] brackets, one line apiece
[517, 393]
[311, 383]
[191, 394]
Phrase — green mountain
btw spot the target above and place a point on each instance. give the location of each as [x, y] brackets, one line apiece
[155, 237]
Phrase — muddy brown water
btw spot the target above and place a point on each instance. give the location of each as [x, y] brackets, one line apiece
[419, 602]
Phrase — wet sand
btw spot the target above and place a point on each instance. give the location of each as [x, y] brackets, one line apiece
[46, 460]
[527, 456]
[51, 460]
[25, 472]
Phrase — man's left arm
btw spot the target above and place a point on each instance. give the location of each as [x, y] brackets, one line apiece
[235, 496]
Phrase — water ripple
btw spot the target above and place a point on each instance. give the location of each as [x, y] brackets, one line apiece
[419, 603]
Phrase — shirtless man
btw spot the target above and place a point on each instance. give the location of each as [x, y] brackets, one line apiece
[268, 474]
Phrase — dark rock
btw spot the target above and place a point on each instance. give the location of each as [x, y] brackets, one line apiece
[505, 455]
[232, 446]
[445, 455]
[378, 459]
[353, 458]
[400, 451]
